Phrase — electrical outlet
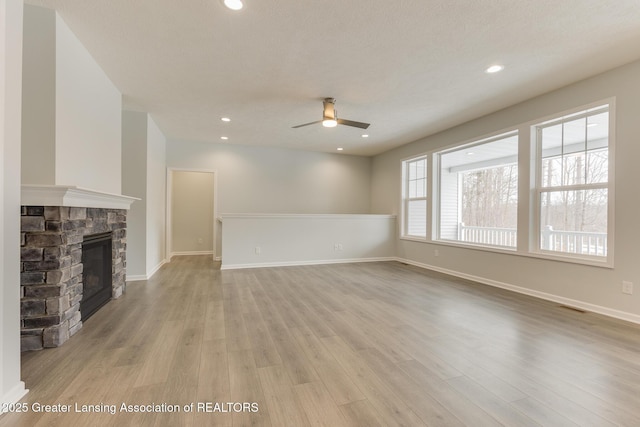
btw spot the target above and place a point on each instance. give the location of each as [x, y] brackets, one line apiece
[335, 246]
[339, 246]
[627, 287]
[258, 250]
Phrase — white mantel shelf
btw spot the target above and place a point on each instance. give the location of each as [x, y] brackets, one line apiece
[71, 196]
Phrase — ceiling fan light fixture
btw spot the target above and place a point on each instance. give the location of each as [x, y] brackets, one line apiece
[330, 118]
[233, 4]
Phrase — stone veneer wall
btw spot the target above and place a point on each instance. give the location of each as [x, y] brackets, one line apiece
[51, 268]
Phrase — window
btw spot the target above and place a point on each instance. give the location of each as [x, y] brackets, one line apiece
[415, 197]
[467, 194]
[572, 183]
[478, 192]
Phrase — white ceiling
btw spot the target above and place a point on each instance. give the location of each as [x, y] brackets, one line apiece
[411, 68]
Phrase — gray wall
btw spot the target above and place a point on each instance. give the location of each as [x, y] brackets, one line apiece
[134, 184]
[144, 177]
[156, 196]
[273, 180]
[72, 112]
[39, 96]
[593, 286]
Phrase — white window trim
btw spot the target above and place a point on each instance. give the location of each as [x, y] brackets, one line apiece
[436, 212]
[534, 248]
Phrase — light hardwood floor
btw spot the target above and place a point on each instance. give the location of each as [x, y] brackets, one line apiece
[350, 344]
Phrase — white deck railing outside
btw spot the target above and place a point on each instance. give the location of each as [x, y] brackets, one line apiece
[576, 242]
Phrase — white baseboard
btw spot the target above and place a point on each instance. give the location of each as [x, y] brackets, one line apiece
[155, 269]
[299, 263]
[140, 277]
[15, 394]
[189, 253]
[617, 314]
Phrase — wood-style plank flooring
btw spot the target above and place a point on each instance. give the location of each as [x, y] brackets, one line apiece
[336, 345]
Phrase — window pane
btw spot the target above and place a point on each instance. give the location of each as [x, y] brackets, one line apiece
[597, 166]
[421, 168]
[573, 166]
[552, 171]
[412, 171]
[575, 152]
[415, 196]
[412, 189]
[574, 221]
[422, 188]
[417, 179]
[479, 193]
[417, 218]
[551, 141]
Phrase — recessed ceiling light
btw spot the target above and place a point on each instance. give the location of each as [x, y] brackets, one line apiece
[225, 119]
[365, 136]
[494, 69]
[224, 137]
[233, 4]
[470, 153]
[340, 148]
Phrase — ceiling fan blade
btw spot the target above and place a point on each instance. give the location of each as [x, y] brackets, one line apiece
[306, 124]
[352, 123]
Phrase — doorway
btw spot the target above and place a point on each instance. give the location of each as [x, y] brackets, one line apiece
[192, 228]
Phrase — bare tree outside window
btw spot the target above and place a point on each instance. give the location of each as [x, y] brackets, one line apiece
[479, 192]
[490, 197]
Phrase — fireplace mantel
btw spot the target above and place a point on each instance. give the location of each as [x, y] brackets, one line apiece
[72, 196]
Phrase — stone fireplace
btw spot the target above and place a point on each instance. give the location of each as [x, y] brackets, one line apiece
[51, 267]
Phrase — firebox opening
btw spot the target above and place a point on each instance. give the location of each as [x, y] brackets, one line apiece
[96, 273]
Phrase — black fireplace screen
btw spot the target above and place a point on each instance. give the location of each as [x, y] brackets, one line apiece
[96, 273]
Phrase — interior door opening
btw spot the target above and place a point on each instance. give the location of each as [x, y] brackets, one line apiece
[191, 213]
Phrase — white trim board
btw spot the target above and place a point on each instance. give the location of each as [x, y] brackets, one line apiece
[14, 395]
[191, 253]
[304, 216]
[65, 195]
[302, 263]
[617, 314]
[142, 277]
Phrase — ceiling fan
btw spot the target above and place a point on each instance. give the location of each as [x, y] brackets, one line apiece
[330, 117]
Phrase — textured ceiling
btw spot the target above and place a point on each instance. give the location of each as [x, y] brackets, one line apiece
[409, 67]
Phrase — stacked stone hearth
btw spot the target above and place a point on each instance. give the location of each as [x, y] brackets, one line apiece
[51, 268]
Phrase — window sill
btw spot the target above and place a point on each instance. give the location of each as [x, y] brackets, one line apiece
[549, 256]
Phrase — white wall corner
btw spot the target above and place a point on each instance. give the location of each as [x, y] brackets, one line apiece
[12, 388]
